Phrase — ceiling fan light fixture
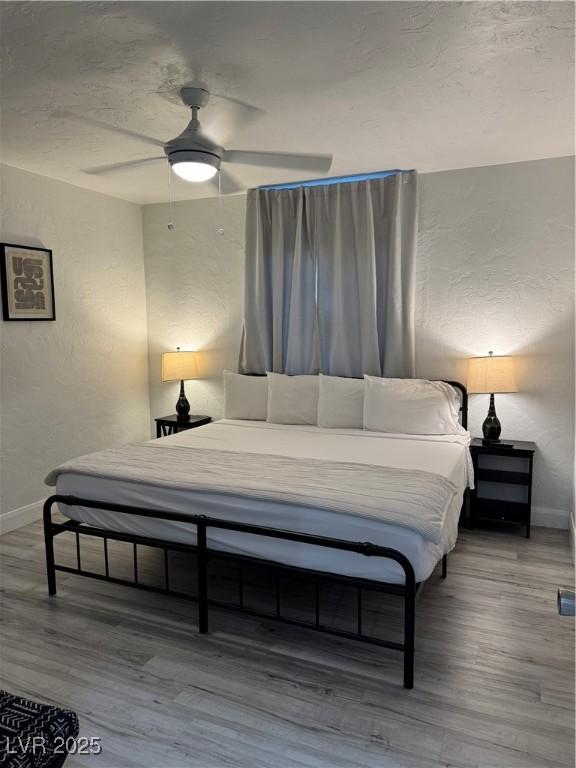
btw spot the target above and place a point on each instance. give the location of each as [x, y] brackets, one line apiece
[193, 164]
[192, 171]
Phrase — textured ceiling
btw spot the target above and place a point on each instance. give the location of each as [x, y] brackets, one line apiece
[380, 85]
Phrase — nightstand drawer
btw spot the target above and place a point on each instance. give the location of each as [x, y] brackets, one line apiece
[510, 493]
[502, 476]
[501, 511]
[504, 462]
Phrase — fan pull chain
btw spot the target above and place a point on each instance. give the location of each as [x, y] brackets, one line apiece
[220, 227]
[171, 225]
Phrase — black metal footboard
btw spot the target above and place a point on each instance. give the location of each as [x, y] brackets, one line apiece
[204, 554]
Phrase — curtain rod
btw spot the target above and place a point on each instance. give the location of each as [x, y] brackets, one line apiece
[333, 180]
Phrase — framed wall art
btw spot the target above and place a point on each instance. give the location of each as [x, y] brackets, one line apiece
[27, 283]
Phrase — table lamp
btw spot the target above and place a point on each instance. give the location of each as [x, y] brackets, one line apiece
[180, 366]
[489, 375]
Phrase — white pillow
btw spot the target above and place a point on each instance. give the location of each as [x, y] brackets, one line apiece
[292, 399]
[341, 403]
[411, 407]
[245, 397]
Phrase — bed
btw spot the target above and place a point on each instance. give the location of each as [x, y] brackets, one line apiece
[346, 505]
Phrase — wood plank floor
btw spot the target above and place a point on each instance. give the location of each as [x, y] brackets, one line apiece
[494, 668]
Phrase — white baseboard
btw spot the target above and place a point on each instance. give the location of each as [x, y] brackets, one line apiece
[18, 518]
[550, 518]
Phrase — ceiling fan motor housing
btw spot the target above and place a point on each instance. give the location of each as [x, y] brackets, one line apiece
[191, 146]
[192, 156]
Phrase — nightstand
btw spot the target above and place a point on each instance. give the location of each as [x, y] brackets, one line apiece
[503, 483]
[170, 425]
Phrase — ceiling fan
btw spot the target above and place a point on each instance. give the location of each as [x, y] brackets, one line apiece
[194, 157]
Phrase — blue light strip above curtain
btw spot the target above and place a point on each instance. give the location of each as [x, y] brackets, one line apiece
[333, 180]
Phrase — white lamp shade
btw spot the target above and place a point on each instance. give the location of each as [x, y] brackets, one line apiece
[488, 375]
[179, 365]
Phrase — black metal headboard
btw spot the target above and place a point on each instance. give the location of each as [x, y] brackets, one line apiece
[456, 384]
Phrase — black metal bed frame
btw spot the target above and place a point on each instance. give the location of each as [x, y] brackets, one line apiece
[204, 555]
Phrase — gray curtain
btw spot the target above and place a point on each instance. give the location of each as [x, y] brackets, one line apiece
[330, 278]
[280, 327]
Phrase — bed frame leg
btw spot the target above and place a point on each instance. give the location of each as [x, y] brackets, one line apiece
[445, 566]
[49, 544]
[202, 578]
[409, 629]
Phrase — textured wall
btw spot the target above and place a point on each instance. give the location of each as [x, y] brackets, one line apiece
[194, 287]
[80, 383]
[496, 272]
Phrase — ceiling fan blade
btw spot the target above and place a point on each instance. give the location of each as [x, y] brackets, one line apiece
[113, 167]
[226, 117]
[279, 159]
[229, 184]
[242, 113]
[243, 104]
[223, 116]
[172, 94]
[64, 113]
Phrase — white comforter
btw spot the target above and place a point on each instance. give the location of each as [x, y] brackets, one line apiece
[269, 449]
[412, 498]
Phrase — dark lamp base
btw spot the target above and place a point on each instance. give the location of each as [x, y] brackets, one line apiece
[491, 427]
[182, 405]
